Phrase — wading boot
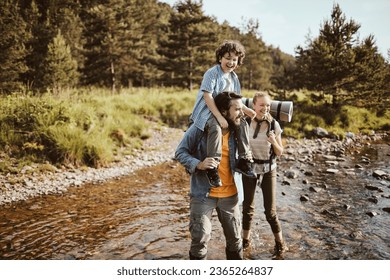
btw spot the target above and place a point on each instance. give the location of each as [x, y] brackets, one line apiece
[279, 250]
[196, 258]
[236, 255]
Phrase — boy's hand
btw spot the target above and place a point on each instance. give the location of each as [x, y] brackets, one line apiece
[223, 122]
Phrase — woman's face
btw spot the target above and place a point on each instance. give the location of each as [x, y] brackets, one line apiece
[262, 106]
[229, 62]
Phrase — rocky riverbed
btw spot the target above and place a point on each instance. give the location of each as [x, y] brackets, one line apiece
[159, 148]
[333, 199]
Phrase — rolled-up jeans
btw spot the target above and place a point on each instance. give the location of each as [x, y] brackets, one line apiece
[200, 223]
[268, 187]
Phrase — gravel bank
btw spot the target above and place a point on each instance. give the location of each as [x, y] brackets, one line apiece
[29, 183]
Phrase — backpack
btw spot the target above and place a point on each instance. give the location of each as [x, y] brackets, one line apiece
[272, 155]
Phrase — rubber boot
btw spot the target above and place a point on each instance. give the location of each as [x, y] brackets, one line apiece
[235, 255]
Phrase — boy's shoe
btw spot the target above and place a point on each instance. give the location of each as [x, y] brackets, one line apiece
[212, 175]
[244, 166]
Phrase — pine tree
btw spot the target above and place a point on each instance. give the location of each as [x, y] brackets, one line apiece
[60, 67]
[13, 36]
[257, 68]
[190, 44]
[121, 42]
[326, 65]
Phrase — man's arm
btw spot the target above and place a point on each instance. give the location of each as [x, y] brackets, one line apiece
[184, 151]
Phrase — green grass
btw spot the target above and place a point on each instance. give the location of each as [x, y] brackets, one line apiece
[92, 127]
[86, 127]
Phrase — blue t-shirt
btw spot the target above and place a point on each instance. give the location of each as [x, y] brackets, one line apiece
[214, 81]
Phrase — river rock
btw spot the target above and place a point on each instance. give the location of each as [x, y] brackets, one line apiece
[329, 157]
[291, 174]
[309, 173]
[320, 132]
[314, 189]
[379, 174]
[371, 187]
[350, 135]
[304, 198]
[332, 171]
[372, 213]
[373, 199]
[331, 162]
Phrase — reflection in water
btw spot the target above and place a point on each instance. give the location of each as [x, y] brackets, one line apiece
[145, 216]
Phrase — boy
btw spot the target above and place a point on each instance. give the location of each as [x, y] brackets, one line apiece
[206, 116]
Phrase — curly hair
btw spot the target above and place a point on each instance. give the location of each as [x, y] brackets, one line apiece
[230, 46]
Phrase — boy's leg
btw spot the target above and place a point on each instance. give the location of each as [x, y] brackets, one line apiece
[245, 159]
[214, 138]
[244, 150]
[214, 148]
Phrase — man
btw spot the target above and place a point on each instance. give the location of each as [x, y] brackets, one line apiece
[191, 153]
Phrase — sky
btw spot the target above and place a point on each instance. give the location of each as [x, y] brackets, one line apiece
[287, 23]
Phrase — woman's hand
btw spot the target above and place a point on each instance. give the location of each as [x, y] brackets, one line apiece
[271, 137]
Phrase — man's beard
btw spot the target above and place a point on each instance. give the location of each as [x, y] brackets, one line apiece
[231, 123]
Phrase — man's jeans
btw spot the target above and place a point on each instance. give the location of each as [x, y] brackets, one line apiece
[200, 223]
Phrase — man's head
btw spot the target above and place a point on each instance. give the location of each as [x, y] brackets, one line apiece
[230, 106]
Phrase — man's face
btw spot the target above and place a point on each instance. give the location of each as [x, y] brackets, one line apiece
[234, 115]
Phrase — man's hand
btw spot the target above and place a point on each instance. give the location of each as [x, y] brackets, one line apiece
[207, 163]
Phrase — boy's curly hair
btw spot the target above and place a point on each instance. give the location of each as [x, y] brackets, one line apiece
[230, 46]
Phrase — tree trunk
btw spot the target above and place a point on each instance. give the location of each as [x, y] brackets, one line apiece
[112, 78]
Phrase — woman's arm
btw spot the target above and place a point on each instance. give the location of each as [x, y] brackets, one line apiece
[276, 142]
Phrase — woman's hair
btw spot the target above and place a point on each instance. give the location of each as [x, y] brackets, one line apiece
[223, 100]
[259, 95]
[230, 46]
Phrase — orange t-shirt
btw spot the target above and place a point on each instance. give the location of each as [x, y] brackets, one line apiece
[228, 187]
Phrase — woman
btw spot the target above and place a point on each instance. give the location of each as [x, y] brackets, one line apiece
[266, 144]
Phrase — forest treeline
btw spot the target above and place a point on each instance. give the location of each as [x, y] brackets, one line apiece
[53, 45]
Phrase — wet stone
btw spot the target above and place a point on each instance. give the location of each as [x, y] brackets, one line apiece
[373, 200]
[372, 213]
[304, 198]
[379, 174]
[371, 187]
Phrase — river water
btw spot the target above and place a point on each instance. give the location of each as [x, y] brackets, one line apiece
[145, 216]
